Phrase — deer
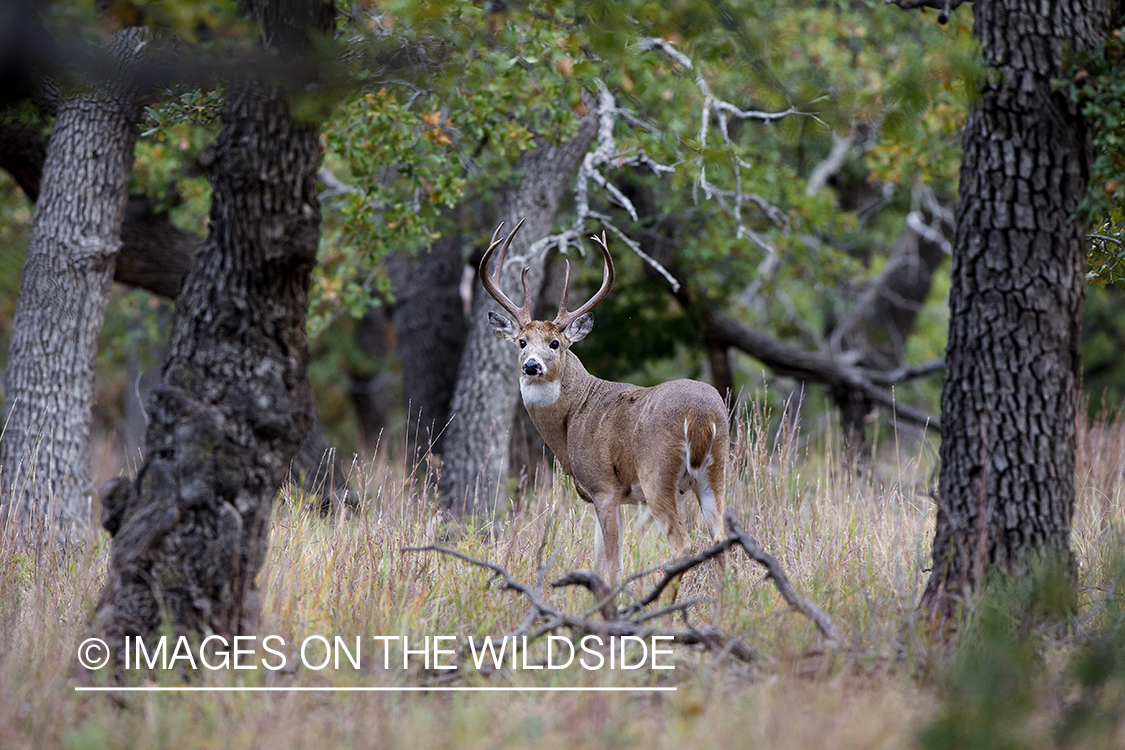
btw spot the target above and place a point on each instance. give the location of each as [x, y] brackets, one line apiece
[621, 443]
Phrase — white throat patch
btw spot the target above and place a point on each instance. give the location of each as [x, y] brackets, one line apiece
[537, 393]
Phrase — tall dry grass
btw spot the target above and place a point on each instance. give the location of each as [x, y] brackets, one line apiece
[857, 547]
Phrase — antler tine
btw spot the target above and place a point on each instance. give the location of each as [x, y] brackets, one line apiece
[565, 293]
[492, 283]
[564, 318]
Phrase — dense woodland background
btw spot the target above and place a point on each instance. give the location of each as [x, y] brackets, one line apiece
[790, 209]
[420, 151]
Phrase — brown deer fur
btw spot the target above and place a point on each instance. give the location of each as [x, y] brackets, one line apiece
[620, 442]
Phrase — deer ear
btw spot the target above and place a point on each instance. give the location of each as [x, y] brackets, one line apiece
[504, 327]
[577, 330]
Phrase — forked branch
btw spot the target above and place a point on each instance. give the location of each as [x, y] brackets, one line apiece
[632, 619]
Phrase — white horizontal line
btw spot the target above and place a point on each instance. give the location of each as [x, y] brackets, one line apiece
[411, 689]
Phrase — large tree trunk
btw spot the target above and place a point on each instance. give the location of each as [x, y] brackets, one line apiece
[45, 481]
[475, 459]
[1011, 375]
[191, 532]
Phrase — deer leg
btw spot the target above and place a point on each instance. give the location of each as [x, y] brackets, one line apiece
[710, 486]
[662, 494]
[607, 541]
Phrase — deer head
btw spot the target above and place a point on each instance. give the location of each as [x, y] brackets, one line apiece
[543, 344]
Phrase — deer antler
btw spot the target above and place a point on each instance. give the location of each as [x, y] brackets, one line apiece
[564, 318]
[492, 283]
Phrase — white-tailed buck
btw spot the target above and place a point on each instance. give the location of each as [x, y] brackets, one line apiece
[620, 442]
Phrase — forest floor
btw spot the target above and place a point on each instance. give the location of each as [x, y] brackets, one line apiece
[857, 547]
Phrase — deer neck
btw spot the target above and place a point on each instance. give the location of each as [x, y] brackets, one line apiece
[551, 404]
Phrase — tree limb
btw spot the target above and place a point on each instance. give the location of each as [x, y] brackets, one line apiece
[944, 7]
[783, 359]
[777, 574]
[630, 620]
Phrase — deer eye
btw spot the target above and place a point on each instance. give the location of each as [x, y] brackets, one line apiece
[555, 344]
[523, 343]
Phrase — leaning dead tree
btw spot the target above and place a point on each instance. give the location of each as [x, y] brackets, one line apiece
[636, 618]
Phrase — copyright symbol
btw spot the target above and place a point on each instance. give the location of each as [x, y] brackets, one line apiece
[93, 653]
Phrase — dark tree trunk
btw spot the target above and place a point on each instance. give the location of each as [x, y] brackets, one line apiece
[430, 327]
[475, 459]
[45, 481]
[368, 389]
[1011, 375]
[191, 532]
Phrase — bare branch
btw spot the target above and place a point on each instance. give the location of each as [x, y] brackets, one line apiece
[841, 147]
[777, 574]
[911, 372]
[677, 569]
[807, 365]
[509, 581]
[944, 7]
[603, 155]
[630, 621]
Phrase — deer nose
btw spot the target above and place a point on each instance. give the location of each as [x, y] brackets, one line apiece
[531, 368]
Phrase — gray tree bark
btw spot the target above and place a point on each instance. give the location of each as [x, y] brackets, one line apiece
[475, 458]
[45, 484]
[1010, 390]
[191, 532]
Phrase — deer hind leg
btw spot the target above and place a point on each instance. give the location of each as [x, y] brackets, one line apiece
[662, 491]
[710, 488]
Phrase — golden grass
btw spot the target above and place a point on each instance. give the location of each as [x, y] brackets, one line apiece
[856, 547]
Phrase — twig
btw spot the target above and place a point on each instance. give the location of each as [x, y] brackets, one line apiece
[630, 621]
[675, 570]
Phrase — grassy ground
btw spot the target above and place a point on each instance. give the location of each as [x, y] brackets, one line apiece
[856, 547]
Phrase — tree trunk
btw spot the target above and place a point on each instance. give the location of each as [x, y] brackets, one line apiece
[45, 484]
[1011, 376]
[155, 255]
[191, 532]
[430, 327]
[475, 459]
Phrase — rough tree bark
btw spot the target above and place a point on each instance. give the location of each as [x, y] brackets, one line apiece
[155, 255]
[191, 532]
[45, 484]
[1010, 390]
[475, 458]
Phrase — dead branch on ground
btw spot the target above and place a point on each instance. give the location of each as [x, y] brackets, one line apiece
[631, 620]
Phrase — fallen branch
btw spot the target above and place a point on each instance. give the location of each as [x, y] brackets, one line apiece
[631, 620]
[791, 361]
[777, 575]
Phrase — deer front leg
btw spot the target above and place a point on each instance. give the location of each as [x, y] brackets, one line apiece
[607, 540]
